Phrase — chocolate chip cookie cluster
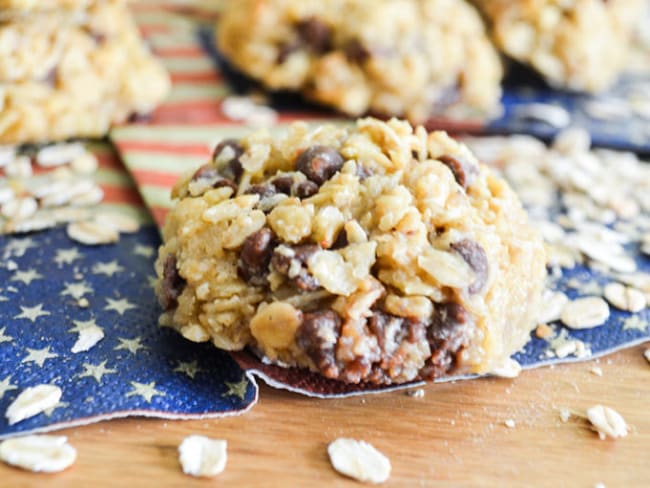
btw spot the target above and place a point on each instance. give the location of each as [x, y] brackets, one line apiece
[72, 68]
[377, 253]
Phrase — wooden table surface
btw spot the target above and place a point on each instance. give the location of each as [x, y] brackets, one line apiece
[453, 436]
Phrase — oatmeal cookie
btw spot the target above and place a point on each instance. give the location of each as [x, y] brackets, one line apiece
[378, 253]
[576, 44]
[63, 76]
[412, 58]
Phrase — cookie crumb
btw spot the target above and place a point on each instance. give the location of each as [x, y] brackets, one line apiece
[510, 423]
[203, 457]
[359, 460]
[544, 331]
[565, 414]
[419, 393]
[607, 422]
[596, 370]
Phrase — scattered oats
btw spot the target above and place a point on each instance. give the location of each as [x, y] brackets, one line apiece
[118, 222]
[88, 338]
[34, 223]
[510, 423]
[509, 369]
[624, 297]
[91, 197]
[85, 164]
[38, 453]
[553, 304]
[91, 233]
[6, 194]
[607, 422]
[596, 370]
[553, 115]
[245, 109]
[20, 208]
[608, 109]
[33, 401]
[646, 354]
[585, 313]
[202, 456]
[562, 346]
[565, 414]
[418, 393]
[571, 141]
[12, 265]
[20, 167]
[67, 191]
[58, 154]
[83, 303]
[7, 155]
[609, 254]
[359, 460]
[544, 331]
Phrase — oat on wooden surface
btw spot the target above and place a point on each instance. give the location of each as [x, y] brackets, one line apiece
[359, 460]
[38, 453]
[203, 457]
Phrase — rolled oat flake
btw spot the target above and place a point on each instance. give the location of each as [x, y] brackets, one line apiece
[38, 453]
[359, 460]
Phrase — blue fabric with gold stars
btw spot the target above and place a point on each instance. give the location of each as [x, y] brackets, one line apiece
[84, 319]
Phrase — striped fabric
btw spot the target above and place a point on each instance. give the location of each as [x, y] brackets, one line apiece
[181, 133]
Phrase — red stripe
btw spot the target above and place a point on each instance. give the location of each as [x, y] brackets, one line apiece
[154, 178]
[159, 214]
[191, 51]
[147, 30]
[202, 150]
[202, 77]
[121, 194]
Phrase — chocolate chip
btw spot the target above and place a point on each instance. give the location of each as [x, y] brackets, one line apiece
[264, 191]
[255, 256]
[209, 174]
[137, 117]
[319, 163]
[295, 267]
[464, 171]
[317, 336]
[474, 255]
[356, 52]
[341, 240]
[316, 34]
[173, 283]
[306, 189]
[286, 49]
[226, 155]
[283, 184]
[447, 335]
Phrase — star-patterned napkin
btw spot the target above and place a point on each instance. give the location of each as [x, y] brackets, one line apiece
[57, 297]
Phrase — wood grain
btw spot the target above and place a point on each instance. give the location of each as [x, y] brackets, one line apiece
[453, 436]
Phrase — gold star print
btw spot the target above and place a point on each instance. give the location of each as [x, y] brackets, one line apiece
[67, 256]
[3, 337]
[27, 276]
[146, 251]
[5, 386]
[120, 306]
[49, 411]
[108, 269]
[145, 390]
[635, 322]
[189, 368]
[131, 345]
[76, 290]
[38, 356]
[32, 313]
[96, 371]
[237, 389]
